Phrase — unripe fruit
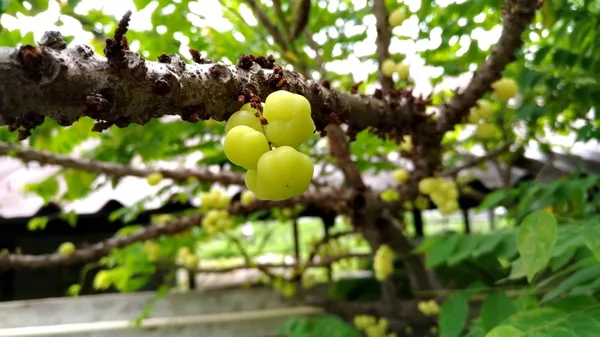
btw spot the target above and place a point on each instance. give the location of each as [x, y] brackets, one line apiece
[102, 280]
[66, 248]
[427, 185]
[388, 67]
[244, 146]
[403, 70]
[154, 178]
[421, 203]
[486, 131]
[505, 89]
[401, 176]
[474, 118]
[289, 119]
[483, 109]
[152, 250]
[407, 145]
[281, 174]
[448, 207]
[397, 17]
[389, 196]
[247, 198]
[245, 116]
[190, 262]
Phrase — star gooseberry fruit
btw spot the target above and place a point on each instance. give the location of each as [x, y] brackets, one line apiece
[485, 131]
[403, 70]
[154, 178]
[280, 174]
[483, 109]
[289, 119]
[388, 67]
[245, 116]
[505, 89]
[397, 17]
[243, 146]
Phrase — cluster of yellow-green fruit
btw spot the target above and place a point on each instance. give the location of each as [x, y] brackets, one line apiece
[215, 199]
[186, 258]
[443, 192]
[287, 213]
[333, 247]
[286, 288]
[429, 308]
[66, 248]
[373, 327]
[400, 176]
[265, 145]
[504, 89]
[383, 262]
[389, 67]
[217, 220]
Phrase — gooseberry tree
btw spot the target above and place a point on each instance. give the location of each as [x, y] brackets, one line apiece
[262, 120]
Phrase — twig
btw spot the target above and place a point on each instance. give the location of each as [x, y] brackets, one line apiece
[319, 264]
[477, 160]
[383, 40]
[103, 248]
[272, 28]
[114, 169]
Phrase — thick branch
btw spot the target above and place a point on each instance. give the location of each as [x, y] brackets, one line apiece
[67, 84]
[518, 15]
[114, 169]
[384, 38]
[103, 248]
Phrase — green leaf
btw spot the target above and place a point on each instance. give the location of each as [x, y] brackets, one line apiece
[442, 250]
[36, 223]
[453, 315]
[579, 277]
[70, 218]
[505, 331]
[496, 308]
[535, 240]
[591, 236]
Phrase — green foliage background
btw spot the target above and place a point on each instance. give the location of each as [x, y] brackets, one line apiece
[539, 278]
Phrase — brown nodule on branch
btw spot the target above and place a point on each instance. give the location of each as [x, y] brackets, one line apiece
[116, 46]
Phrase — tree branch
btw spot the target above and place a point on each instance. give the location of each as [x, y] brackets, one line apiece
[67, 84]
[103, 248]
[114, 169]
[384, 38]
[477, 160]
[272, 28]
[340, 150]
[518, 14]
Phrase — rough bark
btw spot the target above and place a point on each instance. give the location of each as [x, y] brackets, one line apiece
[66, 84]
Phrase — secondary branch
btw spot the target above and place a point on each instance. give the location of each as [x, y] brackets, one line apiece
[114, 169]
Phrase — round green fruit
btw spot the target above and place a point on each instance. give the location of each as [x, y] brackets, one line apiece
[397, 17]
[66, 248]
[403, 70]
[154, 178]
[289, 121]
[244, 146]
[505, 89]
[245, 116]
[388, 67]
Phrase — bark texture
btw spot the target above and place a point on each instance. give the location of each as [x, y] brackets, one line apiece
[66, 84]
